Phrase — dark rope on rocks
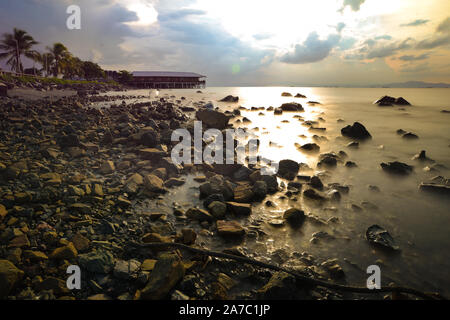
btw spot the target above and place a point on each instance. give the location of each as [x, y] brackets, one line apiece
[306, 279]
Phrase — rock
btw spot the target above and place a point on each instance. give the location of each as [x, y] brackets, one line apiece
[3, 90]
[422, 157]
[213, 119]
[3, 212]
[213, 197]
[149, 138]
[312, 194]
[410, 136]
[10, 275]
[312, 147]
[80, 242]
[153, 183]
[35, 256]
[98, 261]
[294, 217]
[328, 160]
[239, 208]
[286, 94]
[199, 214]
[230, 229]
[334, 269]
[288, 169]
[356, 131]
[385, 101]
[281, 286]
[188, 236]
[271, 182]
[126, 269]
[397, 168]
[334, 195]
[243, 193]
[438, 185]
[299, 95]
[292, 107]
[402, 102]
[152, 154]
[259, 190]
[107, 167]
[353, 145]
[217, 209]
[378, 236]
[155, 237]
[168, 271]
[316, 183]
[67, 141]
[230, 98]
[401, 132]
[174, 182]
[68, 252]
[148, 264]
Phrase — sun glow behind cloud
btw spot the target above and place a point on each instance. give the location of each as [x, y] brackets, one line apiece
[145, 12]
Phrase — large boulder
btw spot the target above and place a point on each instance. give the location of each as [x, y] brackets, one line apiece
[356, 131]
[213, 119]
[294, 217]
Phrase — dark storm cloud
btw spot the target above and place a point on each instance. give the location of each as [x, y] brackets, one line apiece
[312, 49]
[415, 23]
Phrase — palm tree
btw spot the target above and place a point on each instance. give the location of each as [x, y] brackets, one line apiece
[14, 46]
[72, 67]
[45, 60]
[59, 53]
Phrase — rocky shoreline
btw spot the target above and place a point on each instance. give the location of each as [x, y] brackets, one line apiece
[73, 178]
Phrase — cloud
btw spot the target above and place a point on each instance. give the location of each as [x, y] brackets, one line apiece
[372, 49]
[440, 39]
[383, 37]
[415, 23]
[312, 49]
[180, 14]
[416, 68]
[340, 26]
[414, 58]
[354, 4]
[262, 36]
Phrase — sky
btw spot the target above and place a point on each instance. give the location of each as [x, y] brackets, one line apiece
[251, 42]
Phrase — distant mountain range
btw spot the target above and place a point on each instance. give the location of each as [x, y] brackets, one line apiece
[415, 84]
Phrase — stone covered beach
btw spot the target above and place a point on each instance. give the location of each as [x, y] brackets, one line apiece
[83, 184]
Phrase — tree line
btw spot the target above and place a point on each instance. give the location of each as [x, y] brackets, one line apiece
[55, 61]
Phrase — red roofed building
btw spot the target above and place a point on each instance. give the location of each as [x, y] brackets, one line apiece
[167, 80]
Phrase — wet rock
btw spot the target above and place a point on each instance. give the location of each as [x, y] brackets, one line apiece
[107, 167]
[378, 236]
[328, 160]
[295, 217]
[334, 195]
[174, 182]
[438, 185]
[288, 169]
[350, 164]
[168, 271]
[217, 209]
[98, 261]
[299, 95]
[243, 193]
[286, 94]
[68, 252]
[353, 145]
[312, 194]
[230, 98]
[239, 208]
[292, 107]
[153, 183]
[80, 242]
[230, 229]
[155, 237]
[213, 197]
[334, 269]
[356, 131]
[401, 101]
[316, 183]
[152, 154]
[396, 167]
[199, 214]
[311, 147]
[242, 174]
[385, 101]
[271, 182]
[422, 157]
[149, 138]
[126, 269]
[10, 275]
[188, 236]
[281, 286]
[259, 190]
[410, 136]
[213, 119]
